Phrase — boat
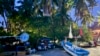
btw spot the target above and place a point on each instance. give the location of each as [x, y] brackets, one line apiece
[73, 49]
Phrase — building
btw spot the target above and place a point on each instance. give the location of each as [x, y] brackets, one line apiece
[95, 30]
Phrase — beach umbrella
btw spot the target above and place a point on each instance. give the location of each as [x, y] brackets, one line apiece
[70, 32]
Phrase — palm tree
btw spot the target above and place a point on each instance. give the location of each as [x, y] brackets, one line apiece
[82, 10]
[30, 9]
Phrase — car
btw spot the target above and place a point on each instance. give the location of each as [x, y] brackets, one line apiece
[45, 43]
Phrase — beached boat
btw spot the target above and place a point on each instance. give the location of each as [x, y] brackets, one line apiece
[73, 49]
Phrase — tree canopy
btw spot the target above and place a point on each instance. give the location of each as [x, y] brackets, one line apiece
[45, 17]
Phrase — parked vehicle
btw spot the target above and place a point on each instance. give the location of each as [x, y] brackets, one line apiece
[45, 43]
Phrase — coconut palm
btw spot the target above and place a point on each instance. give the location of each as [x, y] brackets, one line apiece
[82, 8]
[55, 8]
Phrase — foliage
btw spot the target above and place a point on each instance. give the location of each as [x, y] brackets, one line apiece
[98, 18]
[87, 35]
[75, 29]
[82, 12]
[4, 33]
[30, 17]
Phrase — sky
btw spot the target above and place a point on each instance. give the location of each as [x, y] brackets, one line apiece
[94, 12]
[96, 9]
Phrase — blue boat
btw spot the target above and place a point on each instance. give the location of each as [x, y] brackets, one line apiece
[73, 49]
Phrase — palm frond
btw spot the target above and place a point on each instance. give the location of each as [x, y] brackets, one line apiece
[82, 11]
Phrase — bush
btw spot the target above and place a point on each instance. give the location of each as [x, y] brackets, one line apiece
[4, 33]
[87, 36]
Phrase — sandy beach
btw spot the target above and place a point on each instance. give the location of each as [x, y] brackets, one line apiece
[94, 51]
